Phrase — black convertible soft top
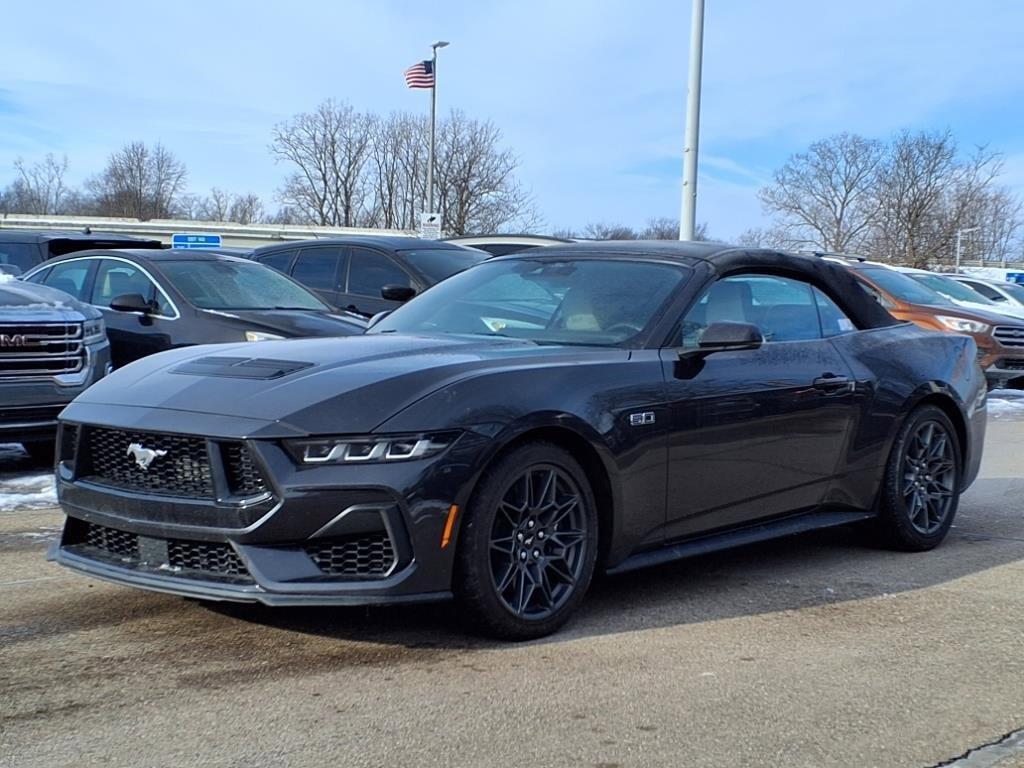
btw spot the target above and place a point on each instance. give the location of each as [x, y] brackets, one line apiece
[833, 278]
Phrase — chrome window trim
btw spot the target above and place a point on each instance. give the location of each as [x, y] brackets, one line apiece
[51, 264]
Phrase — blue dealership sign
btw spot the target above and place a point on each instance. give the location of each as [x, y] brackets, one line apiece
[195, 241]
[1015, 277]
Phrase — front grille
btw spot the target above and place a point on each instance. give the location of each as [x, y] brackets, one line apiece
[365, 555]
[244, 477]
[30, 350]
[1011, 364]
[1009, 335]
[210, 557]
[119, 543]
[171, 557]
[30, 414]
[179, 464]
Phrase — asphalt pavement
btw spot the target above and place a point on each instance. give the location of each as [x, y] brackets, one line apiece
[816, 650]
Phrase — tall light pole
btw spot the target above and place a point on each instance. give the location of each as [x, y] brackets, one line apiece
[688, 217]
[433, 119]
[960, 232]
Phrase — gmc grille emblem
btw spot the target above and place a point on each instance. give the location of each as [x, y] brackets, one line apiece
[13, 340]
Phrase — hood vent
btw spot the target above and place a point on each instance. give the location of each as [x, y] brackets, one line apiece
[241, 367]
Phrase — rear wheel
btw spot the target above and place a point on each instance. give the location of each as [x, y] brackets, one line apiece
[922, 482]
[528, 544]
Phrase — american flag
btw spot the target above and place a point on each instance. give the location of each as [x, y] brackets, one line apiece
[420, 75]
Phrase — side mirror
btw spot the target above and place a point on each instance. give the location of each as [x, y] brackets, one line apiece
[131, 302]
[10, 269]
[724, 336]
[397, 292]
[377, 318]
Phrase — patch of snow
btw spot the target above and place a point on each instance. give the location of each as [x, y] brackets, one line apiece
[1006, 404]
[19, 492]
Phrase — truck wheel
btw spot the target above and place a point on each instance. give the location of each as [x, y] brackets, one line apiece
[922, 483]
[527, 545]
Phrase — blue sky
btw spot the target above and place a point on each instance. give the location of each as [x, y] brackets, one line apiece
[590, 94]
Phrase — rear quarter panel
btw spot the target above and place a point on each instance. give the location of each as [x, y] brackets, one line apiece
[896, 368]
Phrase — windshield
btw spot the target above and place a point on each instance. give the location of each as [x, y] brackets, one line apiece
[1015, 290]
[951, 289]
[237, 285]
[436, 264]
[573, 301]
[903, 287]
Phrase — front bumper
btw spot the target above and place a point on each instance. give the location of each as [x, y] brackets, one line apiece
[323, 535]
[29, 406]
[1005, 372]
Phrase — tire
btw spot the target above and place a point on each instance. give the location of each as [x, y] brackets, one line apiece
[41, 451]
[921, 489]
[527, 544]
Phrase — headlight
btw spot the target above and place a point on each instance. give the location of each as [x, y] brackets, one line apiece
[369, 448]
[260, 336]
[94, 330]
[962, 325]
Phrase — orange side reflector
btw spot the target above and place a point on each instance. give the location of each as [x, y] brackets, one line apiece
[448, 525]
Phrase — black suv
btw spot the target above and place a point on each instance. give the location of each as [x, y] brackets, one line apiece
[351, 273]
[22, 249]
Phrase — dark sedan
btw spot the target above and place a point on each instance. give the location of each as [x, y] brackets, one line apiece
[158, 300]
[523, 423]
[368, 274]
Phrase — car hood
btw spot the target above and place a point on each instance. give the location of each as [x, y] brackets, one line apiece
[293, 323]
[992, 309]
[39, 303]
[313, 386]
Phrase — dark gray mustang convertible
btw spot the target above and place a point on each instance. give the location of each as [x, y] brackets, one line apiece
[519, 425]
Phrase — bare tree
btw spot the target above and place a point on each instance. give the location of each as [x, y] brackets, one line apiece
[824, 197]
[246, 209]
[758, 237]
[476, 186]
[216, 205]
[39, 188]
[605, 231]
[328, 149]
[913, 188]
[139, 182]
[664, 228]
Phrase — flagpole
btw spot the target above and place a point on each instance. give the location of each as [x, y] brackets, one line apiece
[688, 217]
[433, 120]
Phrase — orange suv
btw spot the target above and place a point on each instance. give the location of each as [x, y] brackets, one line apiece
[1000, 339]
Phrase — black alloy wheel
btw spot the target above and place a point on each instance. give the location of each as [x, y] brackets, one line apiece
[538, 542]
[921, 489]
[929, 476]
[528, 544]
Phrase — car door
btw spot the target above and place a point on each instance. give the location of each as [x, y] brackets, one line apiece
[322, 269]
[73, 277]
[132, 335]
[369, 271]
[755, 433]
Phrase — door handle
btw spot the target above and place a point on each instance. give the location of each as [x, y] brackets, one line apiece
[833, 384]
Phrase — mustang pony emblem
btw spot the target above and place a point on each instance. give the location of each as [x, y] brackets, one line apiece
[144, 456]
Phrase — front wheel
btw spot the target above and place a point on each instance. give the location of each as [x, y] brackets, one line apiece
[528, 544]
[922, 482]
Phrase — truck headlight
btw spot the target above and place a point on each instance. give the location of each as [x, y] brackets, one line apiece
[369, 448]
[962, 325]
[94, 331]
[261, 336]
